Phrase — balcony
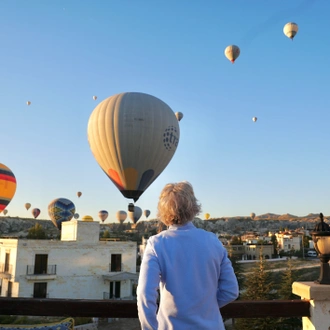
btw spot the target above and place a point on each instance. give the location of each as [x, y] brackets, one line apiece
[313, 308]
[33, 274]
[6, 271]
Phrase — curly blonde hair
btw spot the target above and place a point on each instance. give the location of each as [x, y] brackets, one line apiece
[177, 204]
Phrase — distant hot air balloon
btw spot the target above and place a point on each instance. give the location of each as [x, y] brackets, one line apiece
[254, 119]
[252, 215]
[27, 206]
[207, 216]
[79, 193]
[232, 52]
[179, 115]
[7, 186]
[87, 218]
[133, 137]
[94, 98]
[76, 216]
[35, 213]
[60, 210]
[136, 215]
[146, 213]
[28, 102]
[103, 215]
[5, 211]
[121, 216]
[290, 30]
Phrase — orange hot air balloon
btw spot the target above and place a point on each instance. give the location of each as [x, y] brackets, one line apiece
[7, 186]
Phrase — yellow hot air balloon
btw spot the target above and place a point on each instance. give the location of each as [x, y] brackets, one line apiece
[290, 30]
[207, 216]
[179, 115]
[87, 218]
[79, 193]
[27, 205]
[133, 137]
[7, 186]
[232, 52]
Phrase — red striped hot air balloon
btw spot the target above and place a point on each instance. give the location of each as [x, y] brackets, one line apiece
[7, 186]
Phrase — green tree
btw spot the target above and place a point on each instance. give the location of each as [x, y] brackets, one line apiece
[275, 244]
[106, 234]
[37, 232]
[236, 240]
[258, 286]
[285, 292]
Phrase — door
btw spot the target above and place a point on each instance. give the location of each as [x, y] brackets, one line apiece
[40, 264]
[40, 290]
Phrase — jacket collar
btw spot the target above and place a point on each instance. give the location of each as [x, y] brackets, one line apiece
[186, 226]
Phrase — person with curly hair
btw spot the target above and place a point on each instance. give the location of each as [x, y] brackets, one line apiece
[189, 266]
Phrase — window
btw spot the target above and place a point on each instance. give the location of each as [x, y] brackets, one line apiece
[40, 264]
[115, 263]
[114, 289]
[40, 290]
[7, 262]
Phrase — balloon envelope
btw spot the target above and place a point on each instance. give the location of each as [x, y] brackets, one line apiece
[146, 213]
[136, 215]
[232, 52]
[60, 210]
[7, 186]
[179, 115]
[35, 213]
[207, 216]
[5, 212]
[254, 119]
[27, 205]
[79, 193]
[103, 215]
[121, 216]
[28, 102]
[94, 97]
[76, 216]
[133, 137]
[290, 30]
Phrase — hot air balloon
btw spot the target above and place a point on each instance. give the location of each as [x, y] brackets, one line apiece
[252, 215]
[254, 119]
[103, 215]
[79, 193]
[121, 216]
[35, 213]
[60, 210]
[136, 215]
[179, 115]
[133, 137]
[5, 211]
[87, 218]
[28, 102]
[27, 206]
[7, 186]
[146, 213]
[232, 52]
[76, 216]
[290, 30]
[207, 216]
[94, 98]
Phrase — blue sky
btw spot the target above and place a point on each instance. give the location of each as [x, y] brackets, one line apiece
[58, 54]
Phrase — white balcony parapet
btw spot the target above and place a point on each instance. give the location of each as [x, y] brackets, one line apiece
[319, 297]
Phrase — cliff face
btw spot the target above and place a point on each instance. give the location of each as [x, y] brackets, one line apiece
[14, 226]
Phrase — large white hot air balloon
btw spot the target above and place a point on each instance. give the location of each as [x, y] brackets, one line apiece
[290, 30]
[232, 52]
[133, 137]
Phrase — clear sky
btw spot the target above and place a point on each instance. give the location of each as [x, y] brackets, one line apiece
[58, 54]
